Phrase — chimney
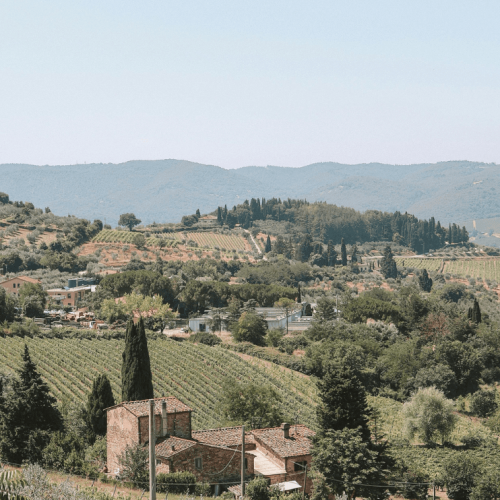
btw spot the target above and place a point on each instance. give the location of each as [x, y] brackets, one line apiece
[286, 430]
[164, 425]
[172, 447]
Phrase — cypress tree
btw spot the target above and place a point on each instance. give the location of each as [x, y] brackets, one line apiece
[388, 265]
[29, 415]
[219, 215]
[299, 300]
[343, 401]
[475, 315]
[343, 253]
[354, 255]
[137, 381]
[424, 281]
[267, 248]
[100, 398]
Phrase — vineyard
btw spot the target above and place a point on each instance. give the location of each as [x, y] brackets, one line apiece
[488, 269]
[194, 374]
[212, 240]
[113, 236]
[429, 264]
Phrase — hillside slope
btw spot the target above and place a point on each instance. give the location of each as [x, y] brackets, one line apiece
[165, 190]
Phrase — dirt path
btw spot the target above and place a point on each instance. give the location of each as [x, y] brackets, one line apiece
[254, 242]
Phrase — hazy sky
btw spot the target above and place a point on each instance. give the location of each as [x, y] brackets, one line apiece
[236, 83]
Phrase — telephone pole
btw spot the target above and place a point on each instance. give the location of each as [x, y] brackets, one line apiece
[242, 461]
[152, 455]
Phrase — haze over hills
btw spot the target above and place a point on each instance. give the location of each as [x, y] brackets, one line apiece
[165, 190]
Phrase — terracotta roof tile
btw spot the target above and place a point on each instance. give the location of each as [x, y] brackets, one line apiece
[172, 445]
[299, 442]
[141, 408]
[225, 436]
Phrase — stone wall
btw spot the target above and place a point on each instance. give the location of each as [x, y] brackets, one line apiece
[123, 431]
[214, 460]
[182, 425]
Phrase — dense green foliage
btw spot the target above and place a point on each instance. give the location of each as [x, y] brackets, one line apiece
[27, 415]
[100, 398]
[251, 404]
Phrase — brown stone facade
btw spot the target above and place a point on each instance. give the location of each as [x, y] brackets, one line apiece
[278, 453]
[123, 431]
[178, 424]
[213, 464]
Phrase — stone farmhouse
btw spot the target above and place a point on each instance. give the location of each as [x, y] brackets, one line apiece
[278, 453]
[13, 285]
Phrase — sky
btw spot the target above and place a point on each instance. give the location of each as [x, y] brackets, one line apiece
[237, 83]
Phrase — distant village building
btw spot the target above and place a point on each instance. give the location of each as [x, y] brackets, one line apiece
[69, 296]
[275, 318]
[279, 453]
[207, 221]
[13, 285]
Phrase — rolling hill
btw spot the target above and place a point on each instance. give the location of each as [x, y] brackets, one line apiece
[165, 190]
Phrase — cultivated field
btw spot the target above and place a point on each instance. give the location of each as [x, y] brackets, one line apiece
[429, 264]
[222, 241]
[488, 269]
[194, 374]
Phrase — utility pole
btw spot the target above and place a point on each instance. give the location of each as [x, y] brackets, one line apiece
[242, 461]
[337, 306]
[305, 482]
[152, 455]
[433, 491]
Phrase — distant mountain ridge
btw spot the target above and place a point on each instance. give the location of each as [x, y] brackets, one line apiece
[165, 190]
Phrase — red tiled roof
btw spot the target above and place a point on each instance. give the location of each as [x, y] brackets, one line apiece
[24, 278]
[164, 448]
[141, 408]
[225, 436]
[299, 442]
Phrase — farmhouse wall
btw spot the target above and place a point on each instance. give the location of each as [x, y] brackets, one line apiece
[179, 424]
[214, 459]
[123, 431]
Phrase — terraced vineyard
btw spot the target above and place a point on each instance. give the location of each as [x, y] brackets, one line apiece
[113, 236]
[195, 374]
[429, 264]
[484, 268]
[212, 240]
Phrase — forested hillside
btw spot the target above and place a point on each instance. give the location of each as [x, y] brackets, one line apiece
[165, 190]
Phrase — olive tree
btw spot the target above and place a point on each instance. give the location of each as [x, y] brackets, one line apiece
[428, 414]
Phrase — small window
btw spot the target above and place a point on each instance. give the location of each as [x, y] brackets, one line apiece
[69, 296]
[158, 461]
[202, 327]
[246, 463]
[13, 285]
[198, 464]
[299, 466]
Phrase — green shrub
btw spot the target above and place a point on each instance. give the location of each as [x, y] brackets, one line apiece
[483, 403]
[205, 338]
[175, 482]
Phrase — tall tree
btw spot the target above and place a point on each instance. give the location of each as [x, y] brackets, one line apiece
[388, 265]
[343, 401]
[343, 253]
[100, 398]
[331, 254]
[425, 281]
[267, 248]
[128, 220]
[28, 416]
[474, 313]
[137, 381]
